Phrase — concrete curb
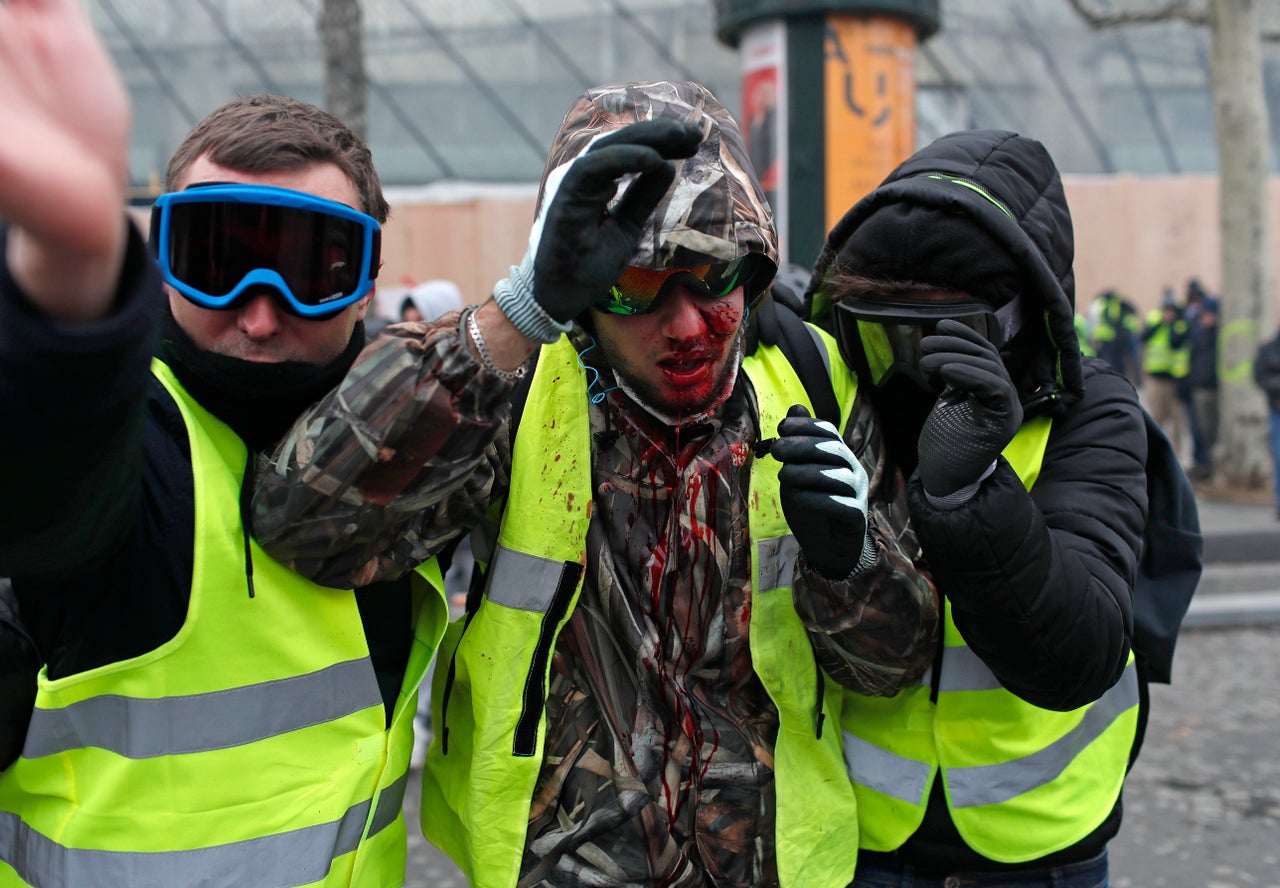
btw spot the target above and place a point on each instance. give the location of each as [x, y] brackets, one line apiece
[1241, 545]
[1230, 609]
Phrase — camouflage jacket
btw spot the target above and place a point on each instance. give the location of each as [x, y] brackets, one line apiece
[414, 447]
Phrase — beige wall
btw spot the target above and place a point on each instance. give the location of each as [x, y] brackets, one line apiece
[1137, 234]
[471, 239]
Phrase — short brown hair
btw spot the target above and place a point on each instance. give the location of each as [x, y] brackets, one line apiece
[841, 284]
[264, 133]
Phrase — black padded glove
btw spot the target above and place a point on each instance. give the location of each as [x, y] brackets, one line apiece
[824, 495]
[584, 246]
[975, 417]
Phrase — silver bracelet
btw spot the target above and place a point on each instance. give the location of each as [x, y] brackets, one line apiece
[486, 358]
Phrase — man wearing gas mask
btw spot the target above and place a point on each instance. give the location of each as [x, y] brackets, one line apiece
[951, 293]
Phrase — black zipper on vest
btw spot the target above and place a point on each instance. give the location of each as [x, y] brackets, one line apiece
[246, 508]
[475, 592]
[935, 677]
[822, 689]
[535, 685]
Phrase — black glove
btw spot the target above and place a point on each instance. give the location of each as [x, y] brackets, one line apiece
[824, 495]
[584, 246]
[975, 417]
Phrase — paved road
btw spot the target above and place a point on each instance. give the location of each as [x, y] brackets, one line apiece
[1202, 805]
[1203, 801]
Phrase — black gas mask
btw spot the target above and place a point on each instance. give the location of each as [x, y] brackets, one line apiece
[880, 336]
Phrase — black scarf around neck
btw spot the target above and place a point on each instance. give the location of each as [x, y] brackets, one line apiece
[258, 401]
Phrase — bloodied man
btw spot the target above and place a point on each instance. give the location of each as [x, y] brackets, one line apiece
[636, 692]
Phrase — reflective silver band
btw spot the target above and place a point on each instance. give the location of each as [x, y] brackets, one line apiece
[139, 728]
[521, 581]
[297, 857]
[896, 776]
[777, 560]
[963, 670]
[993, 784]
[906, 779]
[822, 347]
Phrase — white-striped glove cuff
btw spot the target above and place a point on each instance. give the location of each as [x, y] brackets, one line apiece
[514, 295]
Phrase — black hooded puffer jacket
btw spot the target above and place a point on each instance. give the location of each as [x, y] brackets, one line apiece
[1041, 583]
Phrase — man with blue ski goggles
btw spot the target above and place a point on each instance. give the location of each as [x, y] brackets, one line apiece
[217, 243]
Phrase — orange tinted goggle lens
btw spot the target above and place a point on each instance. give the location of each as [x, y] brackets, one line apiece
[638, 288]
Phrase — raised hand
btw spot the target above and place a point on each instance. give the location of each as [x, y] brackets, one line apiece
[824, 494]
[65, 120]
[584, 246]
[975, 417]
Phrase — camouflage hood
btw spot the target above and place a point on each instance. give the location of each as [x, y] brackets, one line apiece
[715, 211]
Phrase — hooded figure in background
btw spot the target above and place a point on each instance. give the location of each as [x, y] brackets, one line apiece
[430, 299]
[951, 292]
[643, 688]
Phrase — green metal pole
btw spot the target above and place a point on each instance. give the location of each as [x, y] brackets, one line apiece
[835, 60]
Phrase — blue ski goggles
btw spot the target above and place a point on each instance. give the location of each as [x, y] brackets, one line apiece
[215, 243]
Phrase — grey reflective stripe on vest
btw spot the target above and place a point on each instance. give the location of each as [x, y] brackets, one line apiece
[822, 347]
[905, 778]
[390, 803]
[297, 857]
[993, 784]
[963, 670]
[139, 728]
[896, 776]
[777, 560]
[522, 581]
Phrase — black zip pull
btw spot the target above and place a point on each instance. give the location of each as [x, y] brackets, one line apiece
[246, 501]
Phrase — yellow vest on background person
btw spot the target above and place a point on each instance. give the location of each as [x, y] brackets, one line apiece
[1082, 335]
[250, 749]
[1110, 319]
[1160, 356]
[1021, 782]
[490, 721]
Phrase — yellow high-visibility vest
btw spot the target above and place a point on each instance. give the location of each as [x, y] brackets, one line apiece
[249, 749]
[483, 766]
[1021, 782]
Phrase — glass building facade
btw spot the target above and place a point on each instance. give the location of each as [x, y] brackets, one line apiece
[473, 90]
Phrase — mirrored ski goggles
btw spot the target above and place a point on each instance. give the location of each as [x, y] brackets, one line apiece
[214, 243]
[638, 290]
[888, 336]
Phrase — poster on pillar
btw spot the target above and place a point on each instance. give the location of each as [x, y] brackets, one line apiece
[764, 113]
[869, 85]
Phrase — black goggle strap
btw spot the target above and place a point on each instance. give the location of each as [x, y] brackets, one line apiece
[1009, 319]
[153, 237]
[722, 280]
[375, 254]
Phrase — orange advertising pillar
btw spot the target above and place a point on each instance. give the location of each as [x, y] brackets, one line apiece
[828, 102]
